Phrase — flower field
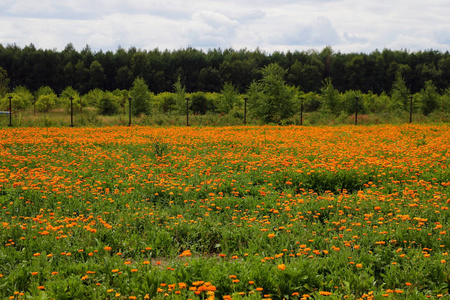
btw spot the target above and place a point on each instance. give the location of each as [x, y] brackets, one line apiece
[352, 212]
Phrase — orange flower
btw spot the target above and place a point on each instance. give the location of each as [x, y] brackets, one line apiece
[281, 267]
[325, 293]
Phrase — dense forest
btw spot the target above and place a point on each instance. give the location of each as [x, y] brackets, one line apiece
[277, 85]
[208, 71]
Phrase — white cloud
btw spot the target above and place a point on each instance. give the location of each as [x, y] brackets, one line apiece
[210, 30]
[347, 25]
[320, 32]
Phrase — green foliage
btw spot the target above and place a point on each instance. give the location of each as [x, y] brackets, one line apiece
[108, 104]
[141, 97]
[19, 101]
[330, 97]
[43, 90]
[444, 103]
[270, 98]
[97, 76]
[198, 103]
[180, 92]
[46, 102]
[92, 97]
[64, 99]
[429, 98]
[348, 103]
[228, 98]
[122, 97]
[4, 82]
[123, 211]
[400, 94]
[165, 102]
[25, 93]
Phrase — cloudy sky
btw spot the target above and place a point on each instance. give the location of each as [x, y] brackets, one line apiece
[345, 25]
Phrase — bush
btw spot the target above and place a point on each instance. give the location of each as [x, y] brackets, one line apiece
[46, 102]
[198, 103]
[108, 104]
[17, 102]
[166, 102]
[64, 100]
[25, 94]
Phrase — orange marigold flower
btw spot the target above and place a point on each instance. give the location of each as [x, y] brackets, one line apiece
[325, 293]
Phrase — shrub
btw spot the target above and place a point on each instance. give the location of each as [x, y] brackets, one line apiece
[17, 102]
[108, 104]
[46, 102]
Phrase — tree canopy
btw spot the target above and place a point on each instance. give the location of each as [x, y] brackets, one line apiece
[208, 71]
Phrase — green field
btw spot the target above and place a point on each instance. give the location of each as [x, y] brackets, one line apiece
[243, 212]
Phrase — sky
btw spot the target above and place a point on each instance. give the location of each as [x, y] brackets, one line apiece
[348, 26]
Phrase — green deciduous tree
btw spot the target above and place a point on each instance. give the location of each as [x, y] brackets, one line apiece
[4, 82]
[228, 98]
[124, 78]
[270, 98]
[97, 78]
[429, 98]
[444, 103]
[400, 94]
[330, 97]
[180, 92]
[141, 97]
[349, 102]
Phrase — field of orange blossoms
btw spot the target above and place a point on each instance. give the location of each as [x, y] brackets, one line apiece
[350, 212]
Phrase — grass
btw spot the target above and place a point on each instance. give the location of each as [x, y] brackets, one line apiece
[89, 116]
[239, 212]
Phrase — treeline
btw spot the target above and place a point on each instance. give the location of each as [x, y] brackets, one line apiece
[267, 100]
[209, 71]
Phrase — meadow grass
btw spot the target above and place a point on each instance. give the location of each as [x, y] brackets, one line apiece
[242, 212]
